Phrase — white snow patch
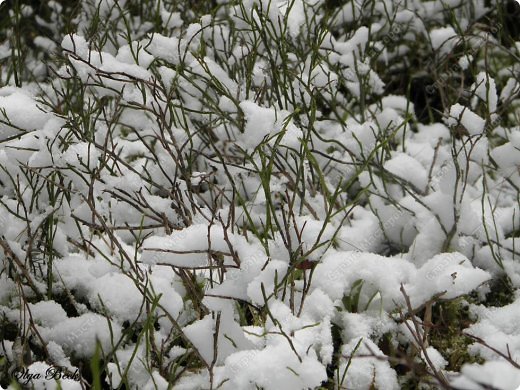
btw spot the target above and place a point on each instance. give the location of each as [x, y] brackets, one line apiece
[473, 123]
[78, 335]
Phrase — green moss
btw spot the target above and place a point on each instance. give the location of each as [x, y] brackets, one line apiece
[501, 294]
[450, 318]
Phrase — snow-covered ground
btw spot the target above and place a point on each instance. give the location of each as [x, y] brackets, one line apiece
[277, 194]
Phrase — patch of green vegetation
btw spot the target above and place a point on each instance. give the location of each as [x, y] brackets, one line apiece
[449, 319]
[502, 292]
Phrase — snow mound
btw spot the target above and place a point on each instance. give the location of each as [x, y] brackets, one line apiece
[19, 112]
[448, 274]
[368, 367]
[78, 335]
[498, 375]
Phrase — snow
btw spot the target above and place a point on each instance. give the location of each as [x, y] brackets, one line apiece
[237, 199]
[7, 286]
[295, 15]
[510, 90]
[451, 275]
[499, 328]
[495, 374]
[171, 49]
[5, 50]
[83, 152]
[47, 313]
[363, 234]
[275, 270]
[263, 124]
[274, 367]
[74, 272]
[19, 113]
[318, 305]
[367, 325]
[45, 43]
[409, 169]
[506, 155]
[76, 44]
[229, 339]
[399, 103]
[432, 133]
[188, 247]
[117, 294]
[131, 360]
[355, 44]
[171, 19]
[129, 54]
[435, 357]
[78, 335]
[484, 88]
[443, 39]
[465, 61]
[366, 370]
[473, 123]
